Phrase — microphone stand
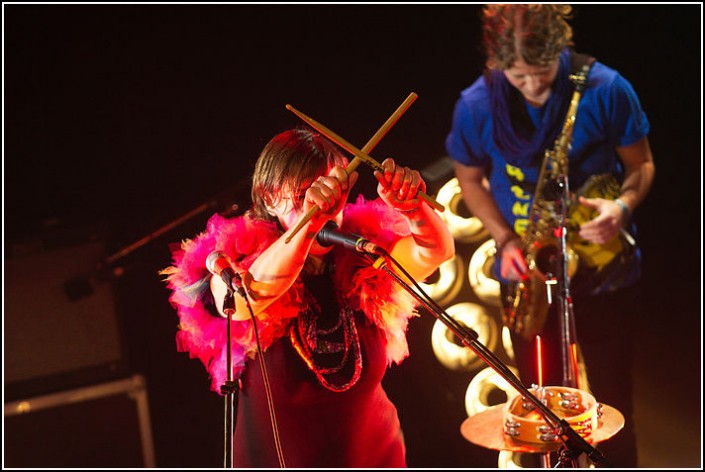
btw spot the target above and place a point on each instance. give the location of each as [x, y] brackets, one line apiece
[230, 387]
[566, 319]
[572, 441]
[565, 301]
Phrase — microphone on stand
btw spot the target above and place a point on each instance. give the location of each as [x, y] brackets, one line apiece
[329, 235]
[218, 263]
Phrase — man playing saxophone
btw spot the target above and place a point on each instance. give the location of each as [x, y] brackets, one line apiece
[503, 127]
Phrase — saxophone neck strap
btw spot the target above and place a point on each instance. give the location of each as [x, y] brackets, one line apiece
[580, 65]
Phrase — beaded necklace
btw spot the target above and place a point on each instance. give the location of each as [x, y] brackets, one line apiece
[326, 336]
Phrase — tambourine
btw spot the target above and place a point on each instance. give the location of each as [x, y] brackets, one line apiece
[522, 421]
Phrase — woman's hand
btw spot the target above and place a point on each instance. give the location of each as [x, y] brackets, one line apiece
[398, 186]
[330, 192]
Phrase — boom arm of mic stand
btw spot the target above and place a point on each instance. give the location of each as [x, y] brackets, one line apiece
[82, 284]
[570, 438]
[155, 234]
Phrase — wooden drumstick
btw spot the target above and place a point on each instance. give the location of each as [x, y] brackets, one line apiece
[363, 156]
[374, 140]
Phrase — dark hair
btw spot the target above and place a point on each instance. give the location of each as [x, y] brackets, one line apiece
[535, 34]
[289, 161]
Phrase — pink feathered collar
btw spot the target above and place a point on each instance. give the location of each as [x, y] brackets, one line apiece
[243, 238]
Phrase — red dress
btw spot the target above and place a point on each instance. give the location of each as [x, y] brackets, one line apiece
[356, 428]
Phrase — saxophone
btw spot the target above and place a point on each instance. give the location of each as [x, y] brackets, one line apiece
[530, 299]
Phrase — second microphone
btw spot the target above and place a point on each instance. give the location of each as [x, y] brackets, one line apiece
[329, 235]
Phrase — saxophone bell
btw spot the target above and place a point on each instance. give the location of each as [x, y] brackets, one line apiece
[530, 299]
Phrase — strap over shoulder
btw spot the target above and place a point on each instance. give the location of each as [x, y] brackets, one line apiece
[578, 61]
[580, 65]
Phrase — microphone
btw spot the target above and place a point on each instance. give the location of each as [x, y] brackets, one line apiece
[218, 263]
[329, 235]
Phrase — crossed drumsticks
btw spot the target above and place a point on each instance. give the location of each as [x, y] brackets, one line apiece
[361, 155]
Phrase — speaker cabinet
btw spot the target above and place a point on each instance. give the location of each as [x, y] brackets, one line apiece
[99, 426]
[61, 329]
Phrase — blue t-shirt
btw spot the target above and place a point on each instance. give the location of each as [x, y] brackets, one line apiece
[609, 115]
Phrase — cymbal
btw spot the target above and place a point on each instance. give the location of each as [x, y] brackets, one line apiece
[485, 429]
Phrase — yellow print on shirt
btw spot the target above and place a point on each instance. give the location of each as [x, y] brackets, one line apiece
[515, 172]
[519, 193]
[520, 208]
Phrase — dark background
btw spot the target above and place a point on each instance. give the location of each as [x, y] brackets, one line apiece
[120, 119]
